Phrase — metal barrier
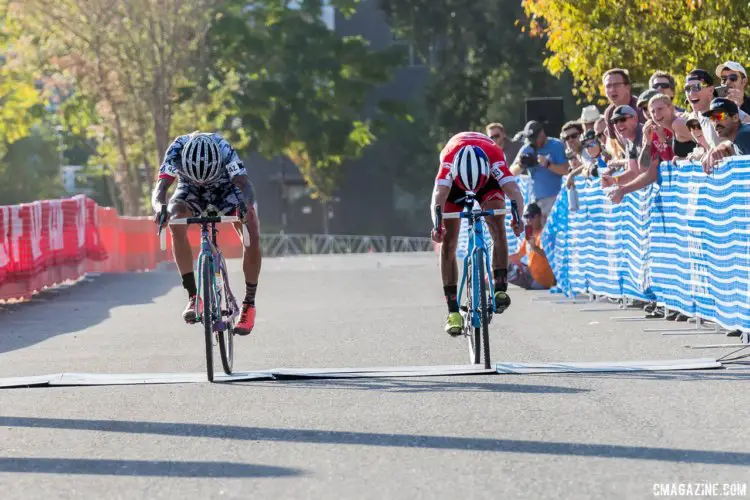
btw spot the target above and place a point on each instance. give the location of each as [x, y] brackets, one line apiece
[282, 245]
[286, 245]
[333, 243]
[411, 244]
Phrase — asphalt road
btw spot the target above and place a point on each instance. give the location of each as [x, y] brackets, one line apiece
[575, 436]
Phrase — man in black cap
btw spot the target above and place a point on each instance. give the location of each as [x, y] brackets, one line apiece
[543, 158]
[699, 91]
[724, 114]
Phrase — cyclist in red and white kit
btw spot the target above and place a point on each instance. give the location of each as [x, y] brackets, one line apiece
[450, 197]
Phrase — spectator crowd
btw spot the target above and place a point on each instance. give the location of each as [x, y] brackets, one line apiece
[624, 146]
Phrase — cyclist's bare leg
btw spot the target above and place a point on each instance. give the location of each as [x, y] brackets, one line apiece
[251, 262]
[183, 254]
[183, 257]
[496, 226]
[448, 264]
[251, 255]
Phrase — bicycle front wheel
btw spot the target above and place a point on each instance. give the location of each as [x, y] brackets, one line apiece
[208, 312]
[226, 336]
[484, 304]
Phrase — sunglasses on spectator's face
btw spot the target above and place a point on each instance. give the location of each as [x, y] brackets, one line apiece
[571, 137]
[661, 85]
[731, 78]
[495, 137]
[695, 87]
[693, 125]
[719, 116]
[589, 144]
[621, 119]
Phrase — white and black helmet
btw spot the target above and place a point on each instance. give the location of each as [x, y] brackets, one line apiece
[471, 168]
[201, 159]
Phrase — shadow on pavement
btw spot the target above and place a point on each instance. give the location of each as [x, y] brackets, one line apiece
[676, 455]
[69, 309]
[105, 467]
[416, 386]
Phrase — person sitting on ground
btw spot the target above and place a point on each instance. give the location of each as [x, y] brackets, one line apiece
[537, 275]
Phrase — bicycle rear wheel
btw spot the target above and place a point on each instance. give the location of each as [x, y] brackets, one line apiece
[208, 309]
[471, 333]
[484, 304]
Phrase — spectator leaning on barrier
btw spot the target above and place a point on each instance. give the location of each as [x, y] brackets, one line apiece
[597, 161]
[617, 89]
[571, 134]
[696, 132]
[658, 140]
[589, 116]
[663, 82]
[734, 76]
[543, 158]
[642, 102]
[496, 132]
[630, 136]
[735, 135]
[537, 275]
[700, 91]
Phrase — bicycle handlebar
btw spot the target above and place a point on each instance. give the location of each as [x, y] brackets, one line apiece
[483, 213]
[204, 220]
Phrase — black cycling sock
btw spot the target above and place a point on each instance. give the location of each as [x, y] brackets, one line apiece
[250, 289]
[188, 283]
[451, 292]
[501, 279]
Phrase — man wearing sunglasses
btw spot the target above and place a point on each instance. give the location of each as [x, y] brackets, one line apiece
[735, 135]
[664, 83]
[496, 132]
[734, 76]
[618, 91]
[699, 91]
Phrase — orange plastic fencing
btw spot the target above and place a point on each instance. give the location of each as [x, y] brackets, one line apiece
[48, 242]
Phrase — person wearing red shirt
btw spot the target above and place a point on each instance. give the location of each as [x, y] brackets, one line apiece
[450, 198]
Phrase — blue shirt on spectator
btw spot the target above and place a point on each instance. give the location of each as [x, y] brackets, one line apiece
[546, 182]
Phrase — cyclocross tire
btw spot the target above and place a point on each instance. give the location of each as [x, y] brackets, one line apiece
[208, 307]
[484, 302]
[226, 339]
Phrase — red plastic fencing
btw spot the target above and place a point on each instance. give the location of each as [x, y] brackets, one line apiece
[48, 242]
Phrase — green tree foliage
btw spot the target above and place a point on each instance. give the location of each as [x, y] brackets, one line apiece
[30, 169]
[128, 58]
[588, 37]
[482, 65]
[300, 89]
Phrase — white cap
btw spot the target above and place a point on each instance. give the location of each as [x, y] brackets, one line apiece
[590, 114]
[732, 66]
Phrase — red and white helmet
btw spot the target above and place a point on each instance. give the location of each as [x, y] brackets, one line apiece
[470, 169]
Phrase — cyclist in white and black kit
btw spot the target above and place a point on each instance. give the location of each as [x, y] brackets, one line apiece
[209, 172]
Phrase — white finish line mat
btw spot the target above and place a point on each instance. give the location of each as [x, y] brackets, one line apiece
[614, 366]
[92, 379]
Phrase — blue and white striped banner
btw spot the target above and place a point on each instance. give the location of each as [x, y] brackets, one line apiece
[684, 242]
[513, 243]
